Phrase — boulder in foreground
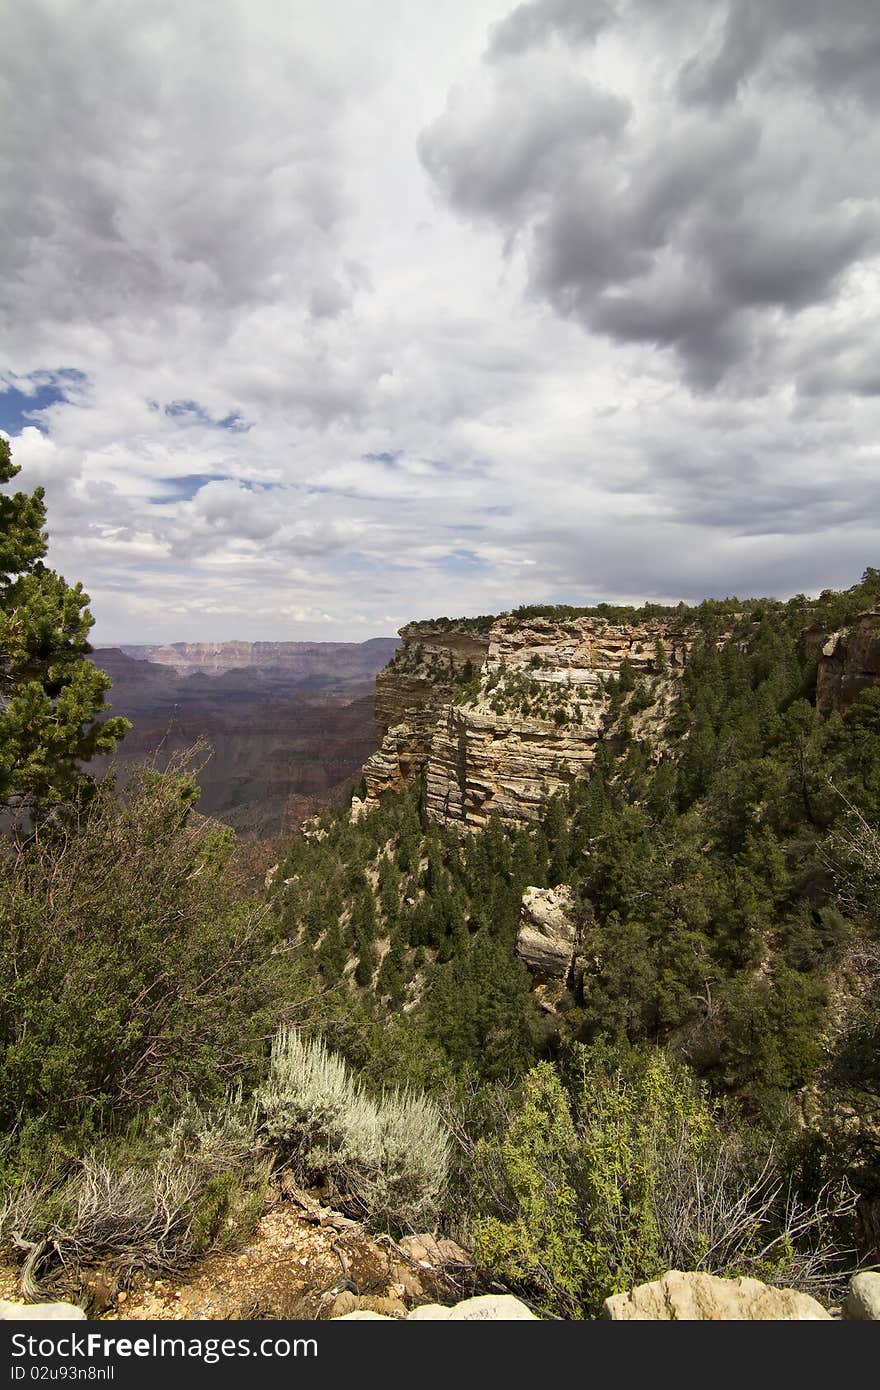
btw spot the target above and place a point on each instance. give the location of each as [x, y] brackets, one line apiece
[40, 1312]
[489, 1307]
[863, 1300]
[681, 1297]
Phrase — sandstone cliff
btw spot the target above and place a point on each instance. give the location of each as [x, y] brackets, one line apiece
[421, 679]
[500, 715]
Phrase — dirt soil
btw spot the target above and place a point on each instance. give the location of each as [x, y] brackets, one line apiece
[303, 1262]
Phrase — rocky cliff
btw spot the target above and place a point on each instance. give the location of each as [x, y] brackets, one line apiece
[849, 662]
[432, 662]
[499, 715]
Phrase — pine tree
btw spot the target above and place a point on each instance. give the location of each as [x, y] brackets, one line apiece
[51, 696]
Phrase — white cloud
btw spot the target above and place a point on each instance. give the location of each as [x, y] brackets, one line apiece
[613, 337]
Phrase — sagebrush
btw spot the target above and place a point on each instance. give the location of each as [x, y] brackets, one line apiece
[386, 1158]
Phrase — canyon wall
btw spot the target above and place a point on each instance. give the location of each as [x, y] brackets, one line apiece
[500, 715]
[348, 661]
[289, 736]
[433, 660]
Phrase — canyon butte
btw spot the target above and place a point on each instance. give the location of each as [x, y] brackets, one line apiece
[497, 714]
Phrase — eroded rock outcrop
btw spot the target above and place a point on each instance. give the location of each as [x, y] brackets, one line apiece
[486, 760]
[547, 938]
[431, 662]
[849, 662]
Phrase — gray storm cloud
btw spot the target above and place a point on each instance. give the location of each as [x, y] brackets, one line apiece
[371, 312]
[165, 157]
[694, 204]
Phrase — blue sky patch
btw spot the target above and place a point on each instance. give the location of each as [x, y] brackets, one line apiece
[389, 459]
[462, 562]
[185, 486]
[23, 398]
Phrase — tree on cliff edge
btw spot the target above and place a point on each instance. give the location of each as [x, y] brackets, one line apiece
[50, 694]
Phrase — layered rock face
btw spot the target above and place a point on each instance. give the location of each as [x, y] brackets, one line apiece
[410, 692]
[547, 935]
[849, 663]
[482, 761]
[423, 673]
[548, 942]
[498, 719]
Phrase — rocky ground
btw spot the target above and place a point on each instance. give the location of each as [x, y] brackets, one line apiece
[304, 1262]
[307, 1262]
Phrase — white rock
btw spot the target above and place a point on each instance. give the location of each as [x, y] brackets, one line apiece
[698, 1297]
[42, 1312]
[430, 1312]
[862, 1303]
[491, 1307]
[547, 935]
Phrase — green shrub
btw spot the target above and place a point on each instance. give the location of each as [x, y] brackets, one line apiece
[132, 966]
[629, 1172]
[535, 1238]
[227, 1211]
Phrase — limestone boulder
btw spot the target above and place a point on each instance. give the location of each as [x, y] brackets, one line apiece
[40, 1312]
[698, 1297]
[485, 1308]
[862, 1303]
[491, 1307]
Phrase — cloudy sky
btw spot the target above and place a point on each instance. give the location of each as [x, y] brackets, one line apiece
[318, 317]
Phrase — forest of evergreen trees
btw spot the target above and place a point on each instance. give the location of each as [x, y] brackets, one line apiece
[713, 876]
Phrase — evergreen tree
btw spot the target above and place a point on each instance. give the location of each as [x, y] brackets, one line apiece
[331, 954]
[50, 695]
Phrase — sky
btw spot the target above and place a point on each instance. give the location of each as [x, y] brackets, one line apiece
[315, 319]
